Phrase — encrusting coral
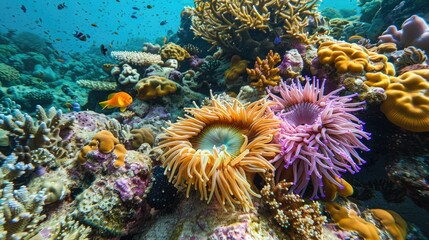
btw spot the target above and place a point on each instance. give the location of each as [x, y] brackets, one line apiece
[265, 72]
[217, 149]
[393, 222]
[153, 87]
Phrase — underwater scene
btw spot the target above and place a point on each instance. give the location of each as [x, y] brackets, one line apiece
[214, 119]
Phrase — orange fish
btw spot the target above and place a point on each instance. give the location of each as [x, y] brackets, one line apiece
[165, 40]
[120, 99]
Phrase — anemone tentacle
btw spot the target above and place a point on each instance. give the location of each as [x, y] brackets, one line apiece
[216, 150]
[319, 135]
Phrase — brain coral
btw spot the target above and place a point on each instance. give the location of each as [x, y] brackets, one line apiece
[353, 58]
[174, 51]
[407, 103]
[153, 87]
[8, 74]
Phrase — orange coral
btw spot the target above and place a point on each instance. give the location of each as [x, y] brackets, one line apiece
[394, 224]
[349, 220]
[407, 103]
[105, 142]
[353, 58]
[153, 87]
[332, 190]
[377, 79]
[142, 135]
[174, 51]
[238, 66]
[265, 73]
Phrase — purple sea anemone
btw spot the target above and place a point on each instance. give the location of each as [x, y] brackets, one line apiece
[319, 136]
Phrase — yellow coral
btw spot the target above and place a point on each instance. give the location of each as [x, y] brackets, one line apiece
[174, 51]
[352, 58]
[349, 220]
[394, 224]
[331, 190]
[227, 23]
[153, 87]
[377, 79]
[105, 142]
[238, 66]
[407, 103]
[265, 73]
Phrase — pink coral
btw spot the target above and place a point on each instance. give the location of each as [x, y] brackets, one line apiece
[319, 135]
[414, 32]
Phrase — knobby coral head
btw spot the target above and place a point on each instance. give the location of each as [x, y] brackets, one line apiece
[319, 135]
[217, 149]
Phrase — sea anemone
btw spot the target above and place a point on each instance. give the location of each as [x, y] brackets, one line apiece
[218, 148]
[319, 135]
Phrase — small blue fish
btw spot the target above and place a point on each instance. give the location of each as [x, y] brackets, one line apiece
[73, 107]
[277, 40]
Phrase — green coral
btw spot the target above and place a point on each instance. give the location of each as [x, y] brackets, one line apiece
[8, 74]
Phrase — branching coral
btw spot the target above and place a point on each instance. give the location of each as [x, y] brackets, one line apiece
[265, 72]
[303, 220]
[216, 150]
[97, 85]
[319, 135]
[25, 132]
[232, 25]
[20, 211]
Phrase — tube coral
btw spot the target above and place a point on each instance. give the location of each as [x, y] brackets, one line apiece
[318, 135]
[217, 148]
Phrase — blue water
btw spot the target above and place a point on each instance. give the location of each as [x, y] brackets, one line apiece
[110, 16]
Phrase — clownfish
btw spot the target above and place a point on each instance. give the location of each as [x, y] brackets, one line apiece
[120, 99]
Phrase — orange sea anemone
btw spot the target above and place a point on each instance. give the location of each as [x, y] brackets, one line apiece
[217, 149]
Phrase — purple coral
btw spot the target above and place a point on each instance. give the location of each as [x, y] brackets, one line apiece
[134, 183]
[318, 135]
[414, 32]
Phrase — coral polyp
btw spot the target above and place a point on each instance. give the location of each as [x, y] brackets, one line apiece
[217, 149]
[319, 136]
